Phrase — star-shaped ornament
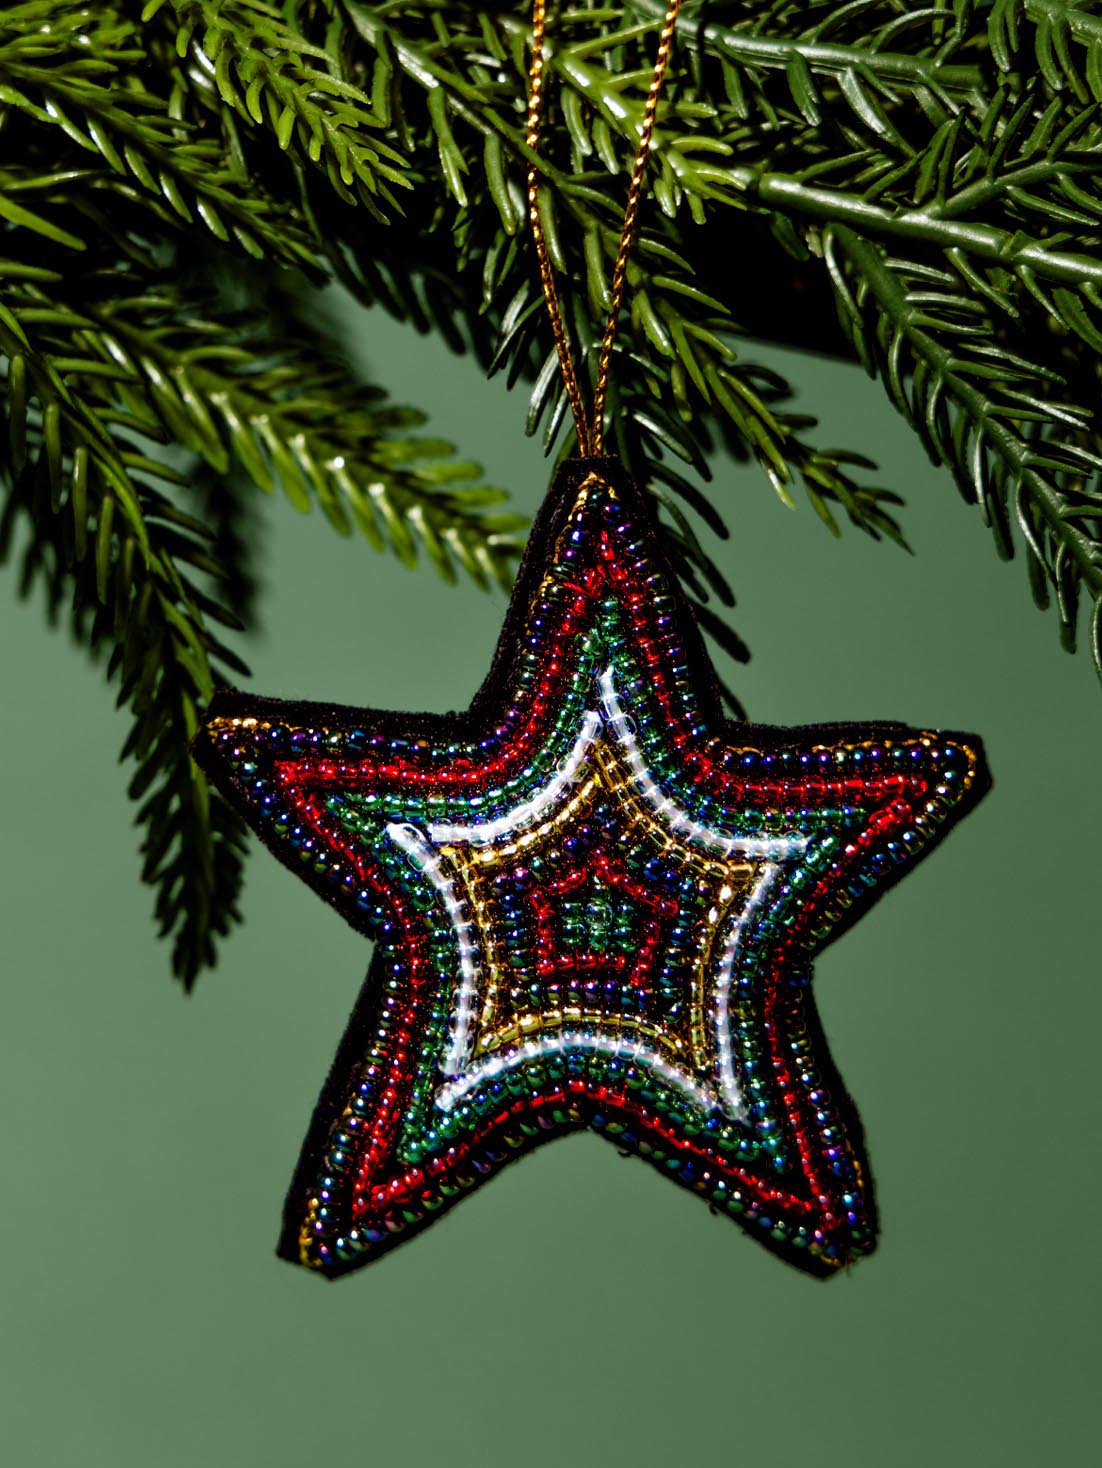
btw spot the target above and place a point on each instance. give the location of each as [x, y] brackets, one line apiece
[595, 903]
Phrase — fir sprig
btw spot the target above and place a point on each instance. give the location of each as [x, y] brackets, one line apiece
[177, 177]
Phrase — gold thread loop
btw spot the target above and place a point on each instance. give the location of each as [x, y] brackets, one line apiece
[590, 429]
[631, 225]
[547, 274]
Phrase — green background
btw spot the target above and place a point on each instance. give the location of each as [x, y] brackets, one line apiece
[580, 1309]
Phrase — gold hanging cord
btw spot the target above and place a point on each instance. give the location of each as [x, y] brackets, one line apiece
[590, 430]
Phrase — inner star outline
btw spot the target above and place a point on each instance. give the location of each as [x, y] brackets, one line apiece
[428, 850]
[595, 903]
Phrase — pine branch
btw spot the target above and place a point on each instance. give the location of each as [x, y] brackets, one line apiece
[281, 408]
[102, 537]
[91, 363]
[976, 410]
[83, 84]
[271, 76]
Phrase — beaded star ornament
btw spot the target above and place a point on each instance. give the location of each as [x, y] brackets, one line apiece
[595, 901]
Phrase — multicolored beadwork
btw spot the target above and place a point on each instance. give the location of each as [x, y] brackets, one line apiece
[595, 903]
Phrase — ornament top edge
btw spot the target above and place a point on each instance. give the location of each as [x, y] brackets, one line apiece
[607, 468]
